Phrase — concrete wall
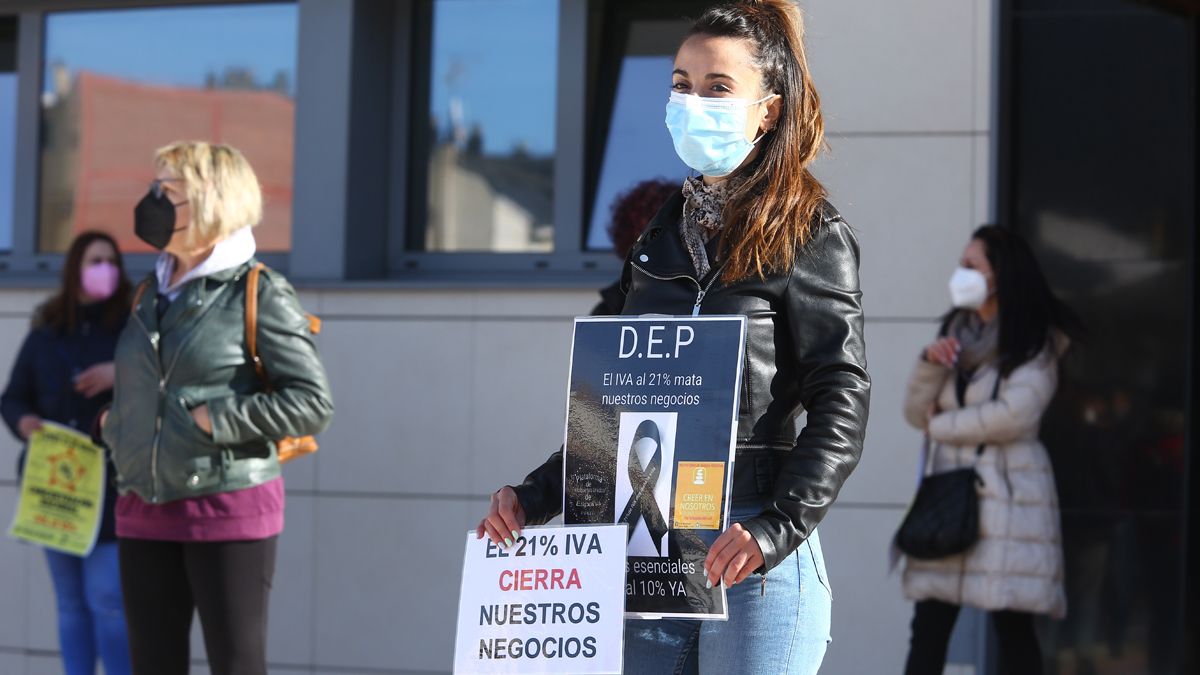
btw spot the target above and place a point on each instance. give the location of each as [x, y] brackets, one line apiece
[444, 395]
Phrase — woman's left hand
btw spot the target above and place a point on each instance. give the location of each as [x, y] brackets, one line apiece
[200, 416]
[96, 380]
[733, 557]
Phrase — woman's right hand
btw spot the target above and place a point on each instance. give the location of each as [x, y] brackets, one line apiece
[504, 520]
[943, 352]
[27, 425]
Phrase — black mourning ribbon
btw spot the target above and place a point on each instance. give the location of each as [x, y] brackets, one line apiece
[642, 504]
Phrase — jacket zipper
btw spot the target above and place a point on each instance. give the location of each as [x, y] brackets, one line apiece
[701, 291]
[165, 375]
[162, 388]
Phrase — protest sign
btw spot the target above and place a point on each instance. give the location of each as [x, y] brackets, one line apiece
[62, 491]
[651, 427]
[553, 602]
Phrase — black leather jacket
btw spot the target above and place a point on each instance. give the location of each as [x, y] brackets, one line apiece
[804, 352]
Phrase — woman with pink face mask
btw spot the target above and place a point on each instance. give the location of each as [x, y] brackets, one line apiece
[64, 374]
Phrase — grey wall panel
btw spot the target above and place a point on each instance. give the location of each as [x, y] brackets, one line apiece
[909, 199]
[518, 406]
[886, 475]
[14, 563]
[13, 329]
[290, 631]
[892, 66]
[870, 616]
[402, 394]
[390, 571]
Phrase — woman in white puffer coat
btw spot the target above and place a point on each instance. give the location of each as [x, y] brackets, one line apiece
[984, 384]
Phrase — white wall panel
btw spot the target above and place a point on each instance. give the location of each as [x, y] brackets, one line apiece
[893, 66]
[909, 199]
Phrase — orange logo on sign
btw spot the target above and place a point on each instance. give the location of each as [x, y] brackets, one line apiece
[698, 491]
[66, 470]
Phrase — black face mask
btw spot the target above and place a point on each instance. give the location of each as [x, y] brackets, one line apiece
[154, 219]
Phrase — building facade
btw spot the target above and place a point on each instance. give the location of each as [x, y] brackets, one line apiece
[437, 177]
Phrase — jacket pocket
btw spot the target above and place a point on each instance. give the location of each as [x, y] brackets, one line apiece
[179, 423]
[196, 461]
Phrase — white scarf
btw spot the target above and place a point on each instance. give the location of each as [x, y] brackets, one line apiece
[234, 250]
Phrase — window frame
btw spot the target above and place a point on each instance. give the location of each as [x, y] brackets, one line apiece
[609, 47]
[569, 221]
[338, 239]
[23, 260]
[11, 69]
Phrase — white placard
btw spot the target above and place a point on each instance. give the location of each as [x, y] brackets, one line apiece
[552, 603]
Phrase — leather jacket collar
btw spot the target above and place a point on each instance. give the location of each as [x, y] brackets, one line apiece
[660, 251]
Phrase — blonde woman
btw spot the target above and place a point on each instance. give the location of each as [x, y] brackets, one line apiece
[192, 426]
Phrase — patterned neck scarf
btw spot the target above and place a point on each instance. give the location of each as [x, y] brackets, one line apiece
[701, 220]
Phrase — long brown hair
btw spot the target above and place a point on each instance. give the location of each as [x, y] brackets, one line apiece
[61, 311]
[771, 214]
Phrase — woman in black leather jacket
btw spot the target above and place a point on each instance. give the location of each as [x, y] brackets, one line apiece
[752, 236]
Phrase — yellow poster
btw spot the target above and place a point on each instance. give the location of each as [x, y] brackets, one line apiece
[62, 493]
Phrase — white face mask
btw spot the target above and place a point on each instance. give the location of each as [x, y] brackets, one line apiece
[968, 288]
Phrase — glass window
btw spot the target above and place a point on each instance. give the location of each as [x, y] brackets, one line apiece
[637, 146]
[1104, 188]
[485, 162]
[8, 127]
[119, 84]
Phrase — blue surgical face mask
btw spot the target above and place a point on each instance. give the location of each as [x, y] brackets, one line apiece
[710, 133]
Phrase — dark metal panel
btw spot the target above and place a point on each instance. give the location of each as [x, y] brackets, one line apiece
[25, 190]
[569, 128]
[369, 152]
[1098, 169]
[321, 175]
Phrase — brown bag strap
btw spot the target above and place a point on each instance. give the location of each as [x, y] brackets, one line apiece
[138, 293]
[252, 321]
[314, 323]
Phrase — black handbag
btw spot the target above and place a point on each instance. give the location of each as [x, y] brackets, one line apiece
[944, 517]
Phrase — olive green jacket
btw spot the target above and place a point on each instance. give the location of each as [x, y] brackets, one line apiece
[196, 354]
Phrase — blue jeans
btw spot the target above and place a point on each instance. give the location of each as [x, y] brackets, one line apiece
[91, 615]
[784, 630]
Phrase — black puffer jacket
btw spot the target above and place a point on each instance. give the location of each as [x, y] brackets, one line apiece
[804, 352]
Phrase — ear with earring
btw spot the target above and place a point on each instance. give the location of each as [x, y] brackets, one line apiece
[768, 122]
